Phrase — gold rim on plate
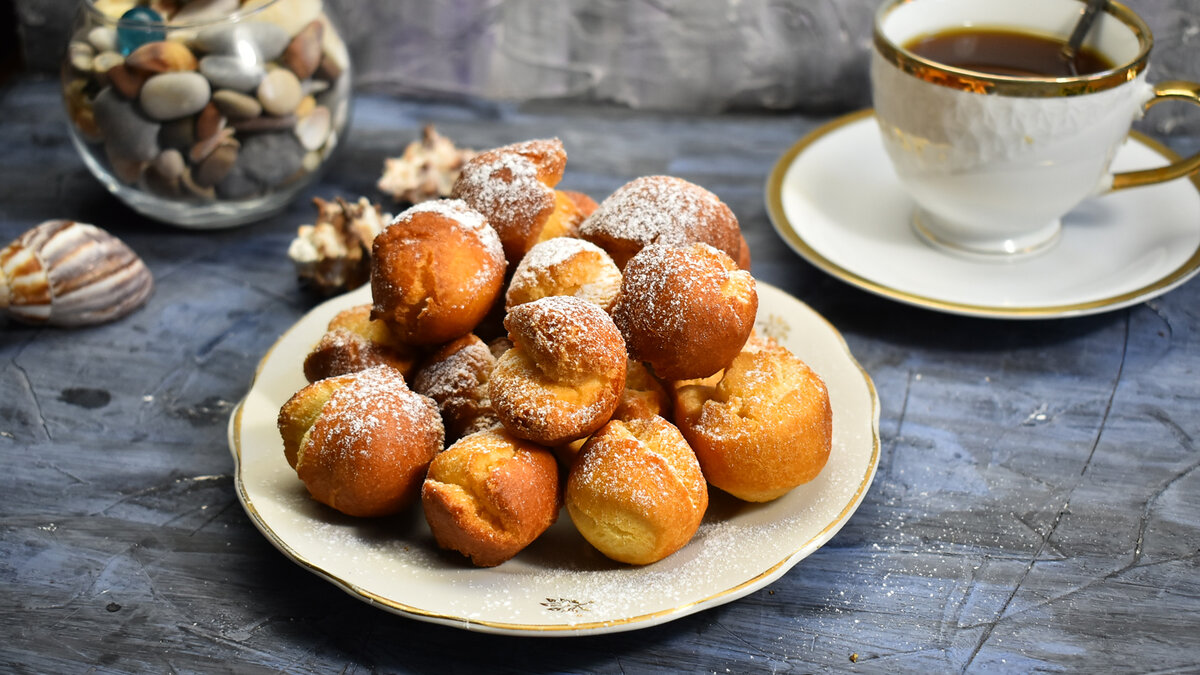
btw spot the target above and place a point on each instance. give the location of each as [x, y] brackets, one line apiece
[688, 606]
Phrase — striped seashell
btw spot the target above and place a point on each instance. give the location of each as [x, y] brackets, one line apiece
[65, 273]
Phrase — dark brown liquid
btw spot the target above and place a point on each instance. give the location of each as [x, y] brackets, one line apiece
[1006, 52]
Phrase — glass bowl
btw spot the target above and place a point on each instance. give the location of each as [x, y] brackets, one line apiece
[206, 113]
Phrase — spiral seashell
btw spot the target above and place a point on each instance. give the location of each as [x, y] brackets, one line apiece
[65, 273]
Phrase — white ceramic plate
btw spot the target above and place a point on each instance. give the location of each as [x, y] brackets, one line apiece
[559, 585]
[836, 201]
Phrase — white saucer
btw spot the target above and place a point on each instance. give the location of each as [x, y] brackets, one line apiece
[836, 201]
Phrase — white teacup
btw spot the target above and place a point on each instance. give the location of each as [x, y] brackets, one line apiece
[994, 162]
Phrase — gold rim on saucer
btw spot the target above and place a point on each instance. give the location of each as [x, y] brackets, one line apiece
[791, 235]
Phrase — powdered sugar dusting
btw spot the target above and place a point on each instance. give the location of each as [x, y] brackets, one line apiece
[568, 338]
[458, 382]
[375, 402]
[504, 185]
[625, 469]
[565, 266]
[556, 251]
[669, 291]
[660, 210]
[564, 377]
[466, 218]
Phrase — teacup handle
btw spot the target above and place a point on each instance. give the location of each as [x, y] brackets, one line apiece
[1171, 89]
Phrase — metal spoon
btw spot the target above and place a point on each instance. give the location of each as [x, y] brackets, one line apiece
[1071, 49]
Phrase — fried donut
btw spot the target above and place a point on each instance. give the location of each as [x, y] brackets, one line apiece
[490, 495]
[354, 342]
[565, 266]
[513, 186]
[456, 377]
[435, 272]
[361, 442]
[643, 396]
[636, 492]
[584, 204]
[661, 210]
[563, 377]
[764, 427]
[686, 311]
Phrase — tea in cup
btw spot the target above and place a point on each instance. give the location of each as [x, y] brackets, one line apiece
[994, 130]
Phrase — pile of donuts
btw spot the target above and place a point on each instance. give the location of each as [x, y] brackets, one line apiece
[527, 348]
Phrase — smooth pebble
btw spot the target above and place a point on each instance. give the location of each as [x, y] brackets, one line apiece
[238, 185]
[127, 133]
[232, 72]
[303, 53]
[163, 174]
[172, 95]
[103, 38]
[213, 169]
[162, 56]
[280, 92]
[178, 134]
[271, 157]
[126, 80]
[269, 40]
[236, 105]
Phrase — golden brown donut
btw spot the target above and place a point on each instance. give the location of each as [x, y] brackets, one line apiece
[644, 395]
[456, 377]
[435, 272]
[563, 221]
[353, 342]
[661, 210]
[513, 186]
[686, 310]
[361, 442]
[565, 266]
[490, 495]
[764, 427]
[564, 375]
[584, 204]
[636, 492]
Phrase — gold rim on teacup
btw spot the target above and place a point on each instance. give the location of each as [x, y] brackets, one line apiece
[1028, 87]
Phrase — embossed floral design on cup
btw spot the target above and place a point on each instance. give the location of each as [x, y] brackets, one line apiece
[995, 161]
[206, 113]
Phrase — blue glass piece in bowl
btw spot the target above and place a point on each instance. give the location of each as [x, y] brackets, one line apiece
[137, 27]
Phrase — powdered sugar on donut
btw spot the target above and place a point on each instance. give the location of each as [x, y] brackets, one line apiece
[662, 210]
[506, 187]
[553, 252]
[376, 402]
[567, 337]
[466, 218]
[565, 266]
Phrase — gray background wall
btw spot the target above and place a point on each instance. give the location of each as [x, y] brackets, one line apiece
[694, 55]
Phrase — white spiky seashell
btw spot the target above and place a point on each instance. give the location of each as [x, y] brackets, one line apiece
[65, 273]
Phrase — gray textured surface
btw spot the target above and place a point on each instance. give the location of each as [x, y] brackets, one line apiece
[1035, 507]
[699, 55]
